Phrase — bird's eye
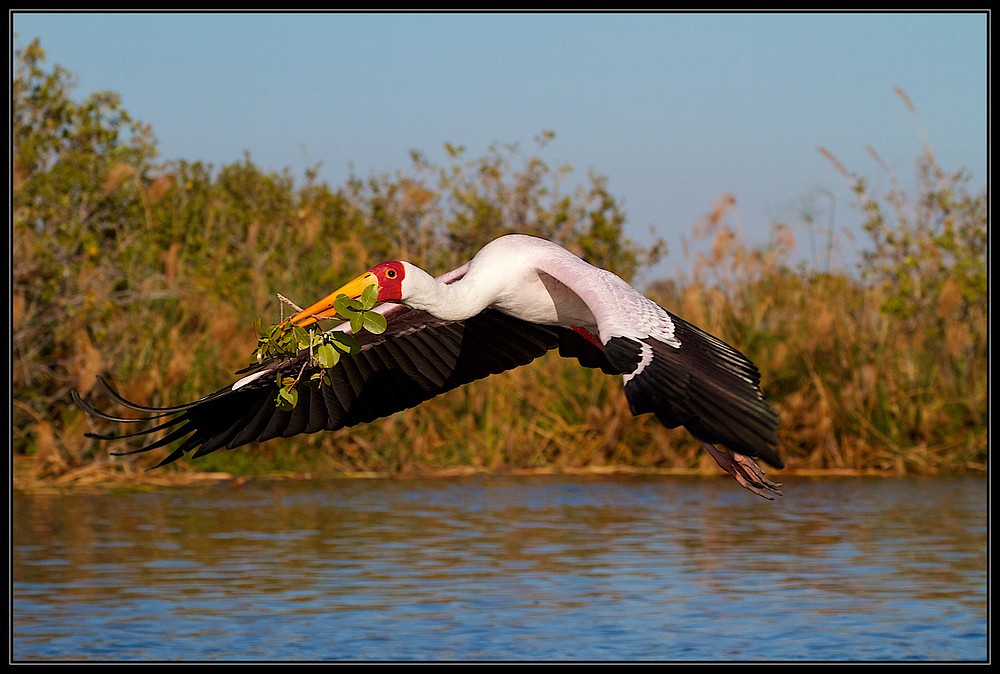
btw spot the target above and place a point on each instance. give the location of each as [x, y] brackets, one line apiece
[390, 273]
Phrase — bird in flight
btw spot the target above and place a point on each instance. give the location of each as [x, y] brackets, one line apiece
[518, 298]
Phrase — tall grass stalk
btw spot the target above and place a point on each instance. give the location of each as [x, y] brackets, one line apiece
[152, 275]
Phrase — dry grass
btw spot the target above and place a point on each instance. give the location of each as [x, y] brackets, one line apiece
[154, 278]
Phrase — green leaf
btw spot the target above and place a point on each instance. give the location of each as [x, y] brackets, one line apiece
[344, 342]
[301, 337]
[285, 342]
[373, 322]
[346, 306]
[288, 397]
[317, 378]
[369, 297]
[327, 356]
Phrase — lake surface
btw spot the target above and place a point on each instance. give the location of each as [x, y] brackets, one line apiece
[505, 568]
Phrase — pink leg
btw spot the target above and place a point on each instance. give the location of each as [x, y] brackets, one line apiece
[746, 472]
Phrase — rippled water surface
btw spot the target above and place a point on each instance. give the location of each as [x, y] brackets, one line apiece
[511, 568]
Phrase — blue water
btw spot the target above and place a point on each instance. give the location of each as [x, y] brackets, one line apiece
[505, 568]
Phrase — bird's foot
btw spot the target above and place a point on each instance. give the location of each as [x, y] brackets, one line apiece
[746, 472]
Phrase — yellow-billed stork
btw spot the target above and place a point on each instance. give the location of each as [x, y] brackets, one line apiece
[519, 297]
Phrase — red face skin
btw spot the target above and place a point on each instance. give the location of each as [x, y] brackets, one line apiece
[390, 281]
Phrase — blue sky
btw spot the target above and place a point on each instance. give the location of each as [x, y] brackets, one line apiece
[675, 109]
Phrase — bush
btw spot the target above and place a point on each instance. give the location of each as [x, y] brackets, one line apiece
[153, 274]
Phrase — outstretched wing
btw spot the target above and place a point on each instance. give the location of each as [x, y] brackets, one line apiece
[704, 384]
[672, 368]
[416, 359]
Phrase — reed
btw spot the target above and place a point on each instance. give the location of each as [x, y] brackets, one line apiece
[153, 274]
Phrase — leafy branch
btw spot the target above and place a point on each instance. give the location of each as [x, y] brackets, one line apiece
[285, 340]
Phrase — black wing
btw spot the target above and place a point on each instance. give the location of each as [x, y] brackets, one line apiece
[706, 385]
[416, 359]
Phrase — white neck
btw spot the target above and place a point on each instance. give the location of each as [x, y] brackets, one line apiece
[455, 302]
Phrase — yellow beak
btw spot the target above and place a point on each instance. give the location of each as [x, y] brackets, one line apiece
[324, 308]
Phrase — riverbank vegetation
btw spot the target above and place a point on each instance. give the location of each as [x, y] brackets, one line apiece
[151, 274]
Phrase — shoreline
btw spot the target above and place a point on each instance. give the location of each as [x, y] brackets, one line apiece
[103, 476]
